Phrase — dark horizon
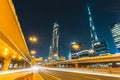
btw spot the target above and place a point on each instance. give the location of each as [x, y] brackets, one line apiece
[37, 18]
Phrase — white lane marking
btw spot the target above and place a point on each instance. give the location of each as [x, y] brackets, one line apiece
[52, 76]
[41, 78]
[92, 78]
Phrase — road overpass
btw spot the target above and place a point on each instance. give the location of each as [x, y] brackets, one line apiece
[86, 60]
[12, 42]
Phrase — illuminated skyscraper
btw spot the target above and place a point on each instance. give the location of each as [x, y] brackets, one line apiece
[55, 42]
[115, 29]
[94, 37]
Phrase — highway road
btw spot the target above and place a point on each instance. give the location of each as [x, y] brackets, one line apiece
[52, 74]
[16, 75]
[62, 75]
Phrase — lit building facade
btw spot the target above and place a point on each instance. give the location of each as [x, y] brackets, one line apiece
[94, 37]
[115, 29]
[54, 49]
[101, 48]
[82, 53]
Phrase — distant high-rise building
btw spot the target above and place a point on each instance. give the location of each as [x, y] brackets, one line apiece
[94, 37]
[55, 42]
[115, 29]
[101, 48]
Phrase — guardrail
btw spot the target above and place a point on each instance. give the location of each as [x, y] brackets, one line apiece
[100, 70]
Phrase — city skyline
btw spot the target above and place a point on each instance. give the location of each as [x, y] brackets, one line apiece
[74, 23]
[37, 36]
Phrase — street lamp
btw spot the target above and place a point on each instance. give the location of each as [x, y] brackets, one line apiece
[33, 39]
[6, 51]
[33, 52]
[14, 56]
[19, 58]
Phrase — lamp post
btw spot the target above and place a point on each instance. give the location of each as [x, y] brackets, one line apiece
[33, 52]
[33, 39]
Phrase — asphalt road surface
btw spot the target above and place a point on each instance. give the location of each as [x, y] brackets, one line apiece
[62, 75]
[47, 74]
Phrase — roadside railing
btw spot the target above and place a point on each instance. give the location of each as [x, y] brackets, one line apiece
[95, 70]
[102, 70]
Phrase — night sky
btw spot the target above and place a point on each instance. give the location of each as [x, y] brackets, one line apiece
[37, 17]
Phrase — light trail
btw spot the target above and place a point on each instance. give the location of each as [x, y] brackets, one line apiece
[14, 71]
[32, 69]
[78, 71]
